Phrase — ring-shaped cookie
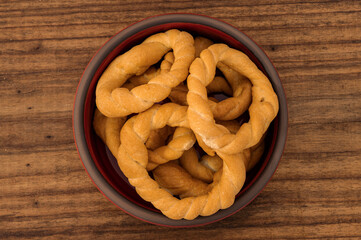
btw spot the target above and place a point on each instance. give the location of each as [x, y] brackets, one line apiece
[108, 129]
[262, 111]
[114, 101]
[133, 158]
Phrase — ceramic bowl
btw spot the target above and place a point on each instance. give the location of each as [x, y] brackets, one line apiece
[99, 163]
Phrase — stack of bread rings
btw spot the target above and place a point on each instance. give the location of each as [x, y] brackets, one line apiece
[181, 146]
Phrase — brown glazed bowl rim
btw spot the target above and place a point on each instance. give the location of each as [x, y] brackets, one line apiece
[101, 183]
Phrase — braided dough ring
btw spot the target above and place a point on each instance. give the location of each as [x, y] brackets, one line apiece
[228, 109]
[133, 159]
[200, 44]
[262, 111]
[108, 129]
[114, 101]
[232, 107]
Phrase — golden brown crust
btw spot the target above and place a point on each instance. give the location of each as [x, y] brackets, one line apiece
[114, 101]
[133, 159]
[139, 144]
[262, 111]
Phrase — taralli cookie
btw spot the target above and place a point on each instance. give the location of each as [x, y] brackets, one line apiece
[133, 159]
[262, 111]
[114, 101]
[228, 109]
[154, 140]
[232, 107]
[108, 129]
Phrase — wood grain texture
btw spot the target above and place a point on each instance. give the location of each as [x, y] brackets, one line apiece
[44, 190]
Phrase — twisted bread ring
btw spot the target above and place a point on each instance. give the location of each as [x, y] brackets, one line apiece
[133, 159]
[114, 101]
[228, 109]
[262, 111]
[108, 129]
[200, 44]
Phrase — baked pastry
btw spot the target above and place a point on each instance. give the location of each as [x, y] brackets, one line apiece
[114, 101]
[133, 158]
[262, 111]
[146, 133]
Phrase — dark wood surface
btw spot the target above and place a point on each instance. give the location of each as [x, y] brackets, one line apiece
[44, 190]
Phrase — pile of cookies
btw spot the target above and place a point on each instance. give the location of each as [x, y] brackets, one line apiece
[183, 149]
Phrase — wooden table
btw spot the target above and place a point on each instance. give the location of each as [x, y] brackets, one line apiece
[44, 190]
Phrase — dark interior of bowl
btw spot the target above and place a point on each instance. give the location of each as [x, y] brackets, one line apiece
[106, 163]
